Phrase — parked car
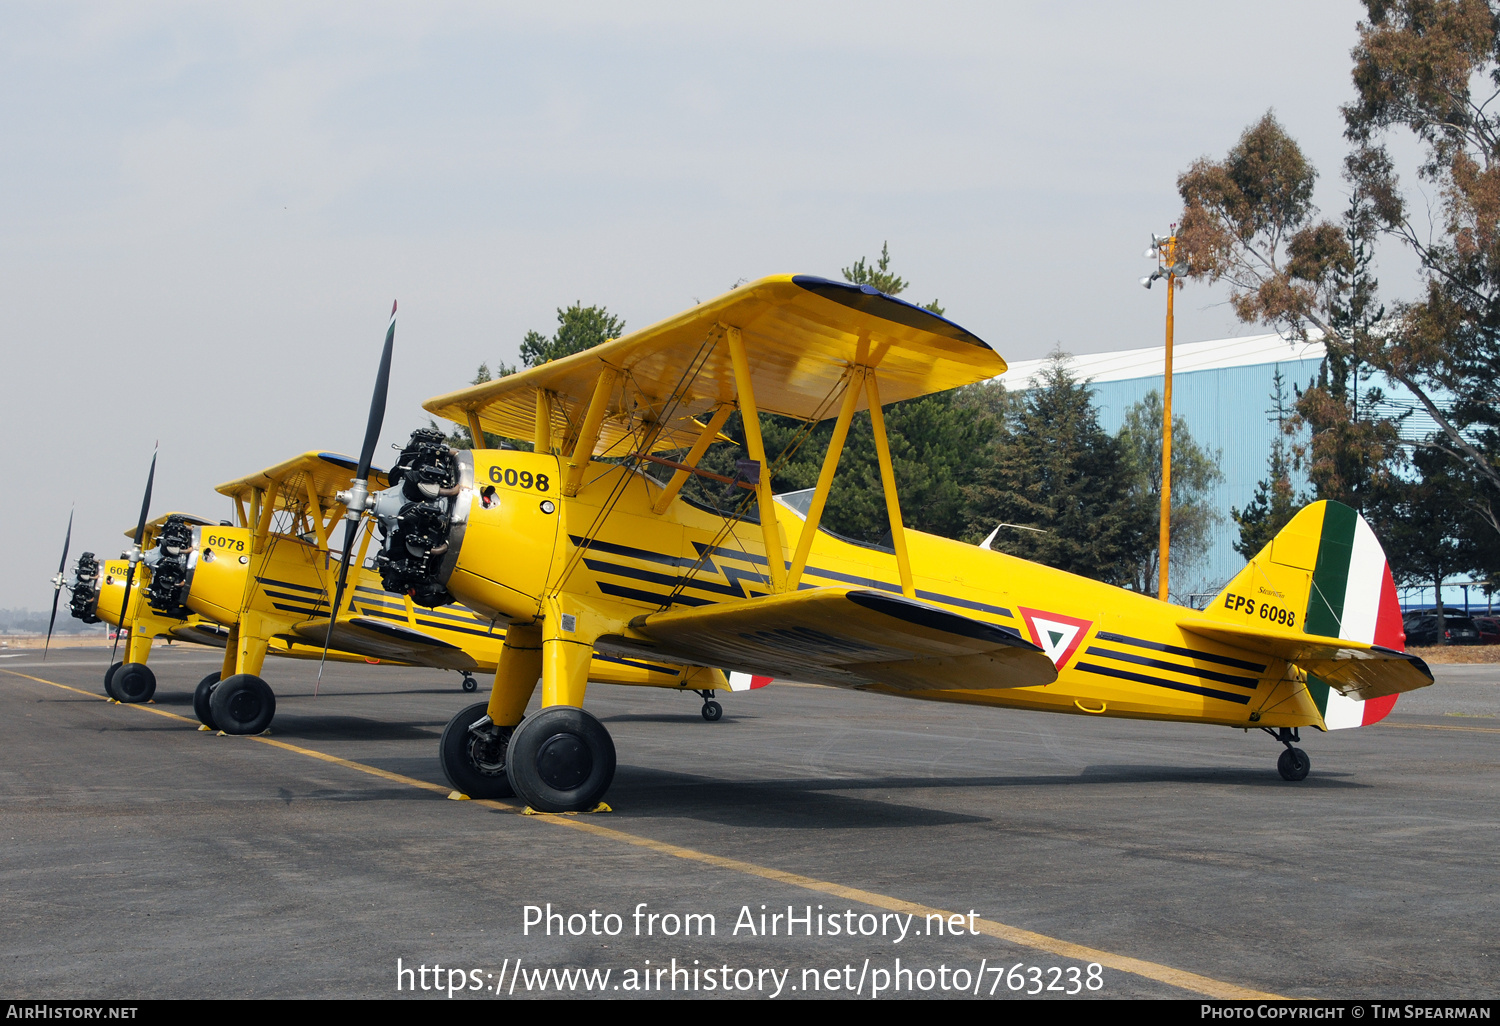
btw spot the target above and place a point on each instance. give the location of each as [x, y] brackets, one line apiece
[1489, 629]
[1458, 629]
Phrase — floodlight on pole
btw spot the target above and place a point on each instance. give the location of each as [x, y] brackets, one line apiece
[1164, 251]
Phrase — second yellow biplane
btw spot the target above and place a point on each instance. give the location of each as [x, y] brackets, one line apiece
[267, 578]
[581, 552]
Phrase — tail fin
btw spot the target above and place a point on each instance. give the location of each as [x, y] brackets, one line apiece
[1321, 595]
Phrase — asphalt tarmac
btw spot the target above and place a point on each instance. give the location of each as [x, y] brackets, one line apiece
[144, 858]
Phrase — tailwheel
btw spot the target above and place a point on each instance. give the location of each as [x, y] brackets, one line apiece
[712, 711]
[1293, 763]
[561, 760]
[201, 696]
[470, 684]
[133, 682]
[242, 704]
[473, 754]
[109, 680]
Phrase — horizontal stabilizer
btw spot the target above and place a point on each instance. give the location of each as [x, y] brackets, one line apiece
[1355, 669]
[844, 637]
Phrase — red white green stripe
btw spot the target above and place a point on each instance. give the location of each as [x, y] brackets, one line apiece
[1353, 597]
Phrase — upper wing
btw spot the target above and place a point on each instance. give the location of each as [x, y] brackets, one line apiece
[1357, 669]
[801, 333]
[845, 637]
[324, 473]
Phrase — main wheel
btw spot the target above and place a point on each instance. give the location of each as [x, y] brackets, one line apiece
[133, 682]
[201, 695]
[1293, 764]
[470, 684]
[109, 681]
[712, 711]
[243, 704]
[474, 760]
[561, 760]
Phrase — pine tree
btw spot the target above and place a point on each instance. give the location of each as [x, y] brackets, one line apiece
[1055, 470]
[1275, 502]
[1194, 472]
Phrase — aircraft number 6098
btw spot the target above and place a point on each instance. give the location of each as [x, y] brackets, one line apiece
[524, 479]
[1276, 614]
[221, 542]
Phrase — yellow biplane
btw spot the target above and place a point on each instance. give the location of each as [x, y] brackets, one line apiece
[266, 580]
[98, 593]
[154, 612]
[582, 552]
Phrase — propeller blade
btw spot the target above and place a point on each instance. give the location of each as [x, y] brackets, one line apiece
[57, 584]
[360, 489]
[135, 551]
[377, 401]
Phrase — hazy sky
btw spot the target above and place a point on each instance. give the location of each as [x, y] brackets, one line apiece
[206, 210]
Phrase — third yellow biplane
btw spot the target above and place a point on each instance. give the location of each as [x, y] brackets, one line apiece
[580, 551]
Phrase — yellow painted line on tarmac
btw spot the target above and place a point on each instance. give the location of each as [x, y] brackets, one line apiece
[1441, 726]
[1180, 978]
[1026, 938]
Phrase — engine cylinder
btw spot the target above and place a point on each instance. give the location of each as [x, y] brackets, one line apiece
[416, 516]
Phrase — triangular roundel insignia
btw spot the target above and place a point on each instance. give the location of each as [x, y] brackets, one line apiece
[1056, 634]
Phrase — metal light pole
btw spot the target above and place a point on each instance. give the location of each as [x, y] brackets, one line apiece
[1164, 251]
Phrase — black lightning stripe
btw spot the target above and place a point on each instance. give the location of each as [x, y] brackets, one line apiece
[1194, 653]
[655, 598]
[1161, 682]
[1162, 664]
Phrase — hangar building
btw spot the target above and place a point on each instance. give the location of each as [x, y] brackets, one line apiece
[1223, 388]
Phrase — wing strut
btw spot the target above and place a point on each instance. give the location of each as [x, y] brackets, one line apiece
[588, 434]
[705, 438]
[888, 483]
[825, 478]
[750, 418]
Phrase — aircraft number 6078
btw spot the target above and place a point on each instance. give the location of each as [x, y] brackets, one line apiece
[525, 479]
[221, 542]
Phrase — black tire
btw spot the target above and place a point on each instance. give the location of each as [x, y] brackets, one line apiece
[201, 695]
[712, 711]
[474, 761]
[133, 682]
[1293, 764]
[561, 760]
[470, 684]
[109, 680]
[243, 704]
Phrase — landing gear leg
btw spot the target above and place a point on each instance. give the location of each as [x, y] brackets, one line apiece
[562, 759]
[1293, 764]
[475, 743]
[712, 710]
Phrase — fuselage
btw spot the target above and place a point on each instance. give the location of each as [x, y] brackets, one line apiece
[287, 587]
[1118, 653]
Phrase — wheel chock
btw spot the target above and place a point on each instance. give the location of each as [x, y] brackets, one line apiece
[204, 726]
[221, 734]
[457, 796]
[601, 807]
